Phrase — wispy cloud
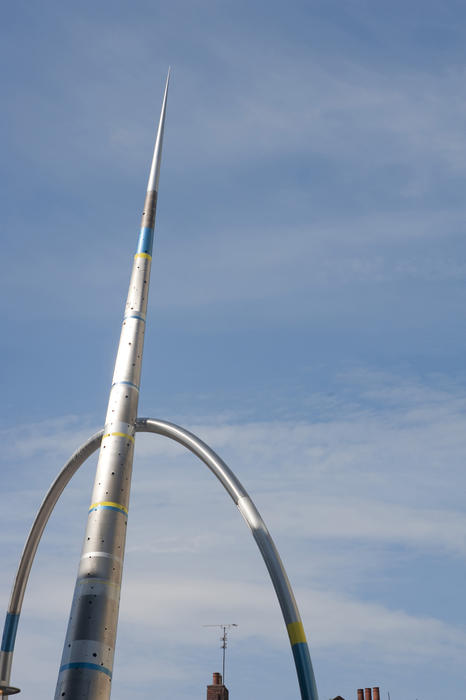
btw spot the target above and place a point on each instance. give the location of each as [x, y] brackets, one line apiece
[312, 190]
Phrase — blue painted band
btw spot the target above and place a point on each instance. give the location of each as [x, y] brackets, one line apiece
[141, 318]
[118, 510]
[135, 386]
[9, 631]
[146, 238]
[307, 683]
[84, 664]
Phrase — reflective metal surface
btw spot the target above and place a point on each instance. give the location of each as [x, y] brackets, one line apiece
[263, 540]
[247, 509]
[87, 661]
[29, 551]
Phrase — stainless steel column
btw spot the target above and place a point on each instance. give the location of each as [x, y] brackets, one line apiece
[87, 661]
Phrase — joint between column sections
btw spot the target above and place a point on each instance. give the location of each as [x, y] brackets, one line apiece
[86, 665]
[108, 505]
[97, 581]
[106, 555]
[145, 242]
[126, 383]
[123, 435]
[97, 587]
[140, 317]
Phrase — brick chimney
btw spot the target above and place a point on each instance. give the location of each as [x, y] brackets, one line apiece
[217, 691]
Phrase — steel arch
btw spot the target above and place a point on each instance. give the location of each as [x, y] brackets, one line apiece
[240, 497]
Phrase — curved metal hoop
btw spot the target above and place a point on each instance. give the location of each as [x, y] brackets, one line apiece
[247, 509]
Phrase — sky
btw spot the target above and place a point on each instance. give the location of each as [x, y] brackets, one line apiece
[306, 319]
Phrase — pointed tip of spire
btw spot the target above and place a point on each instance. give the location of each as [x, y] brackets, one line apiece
[155, 168]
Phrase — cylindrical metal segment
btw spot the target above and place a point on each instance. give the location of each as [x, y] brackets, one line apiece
[148, 217]
[87, 661]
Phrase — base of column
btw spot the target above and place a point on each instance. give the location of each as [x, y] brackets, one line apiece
[8, 689]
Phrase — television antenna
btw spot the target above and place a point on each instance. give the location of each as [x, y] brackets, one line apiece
[223, 646]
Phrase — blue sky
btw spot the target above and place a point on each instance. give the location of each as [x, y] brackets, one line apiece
[307, 318]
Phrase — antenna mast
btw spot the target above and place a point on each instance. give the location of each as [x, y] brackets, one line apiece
[224, 640]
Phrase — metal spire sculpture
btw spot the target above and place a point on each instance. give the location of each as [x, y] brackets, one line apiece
[87, 661]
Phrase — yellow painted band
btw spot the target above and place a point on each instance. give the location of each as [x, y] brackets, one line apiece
[143, 255]
[130, 437]
[296, 633]
[109, 503]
